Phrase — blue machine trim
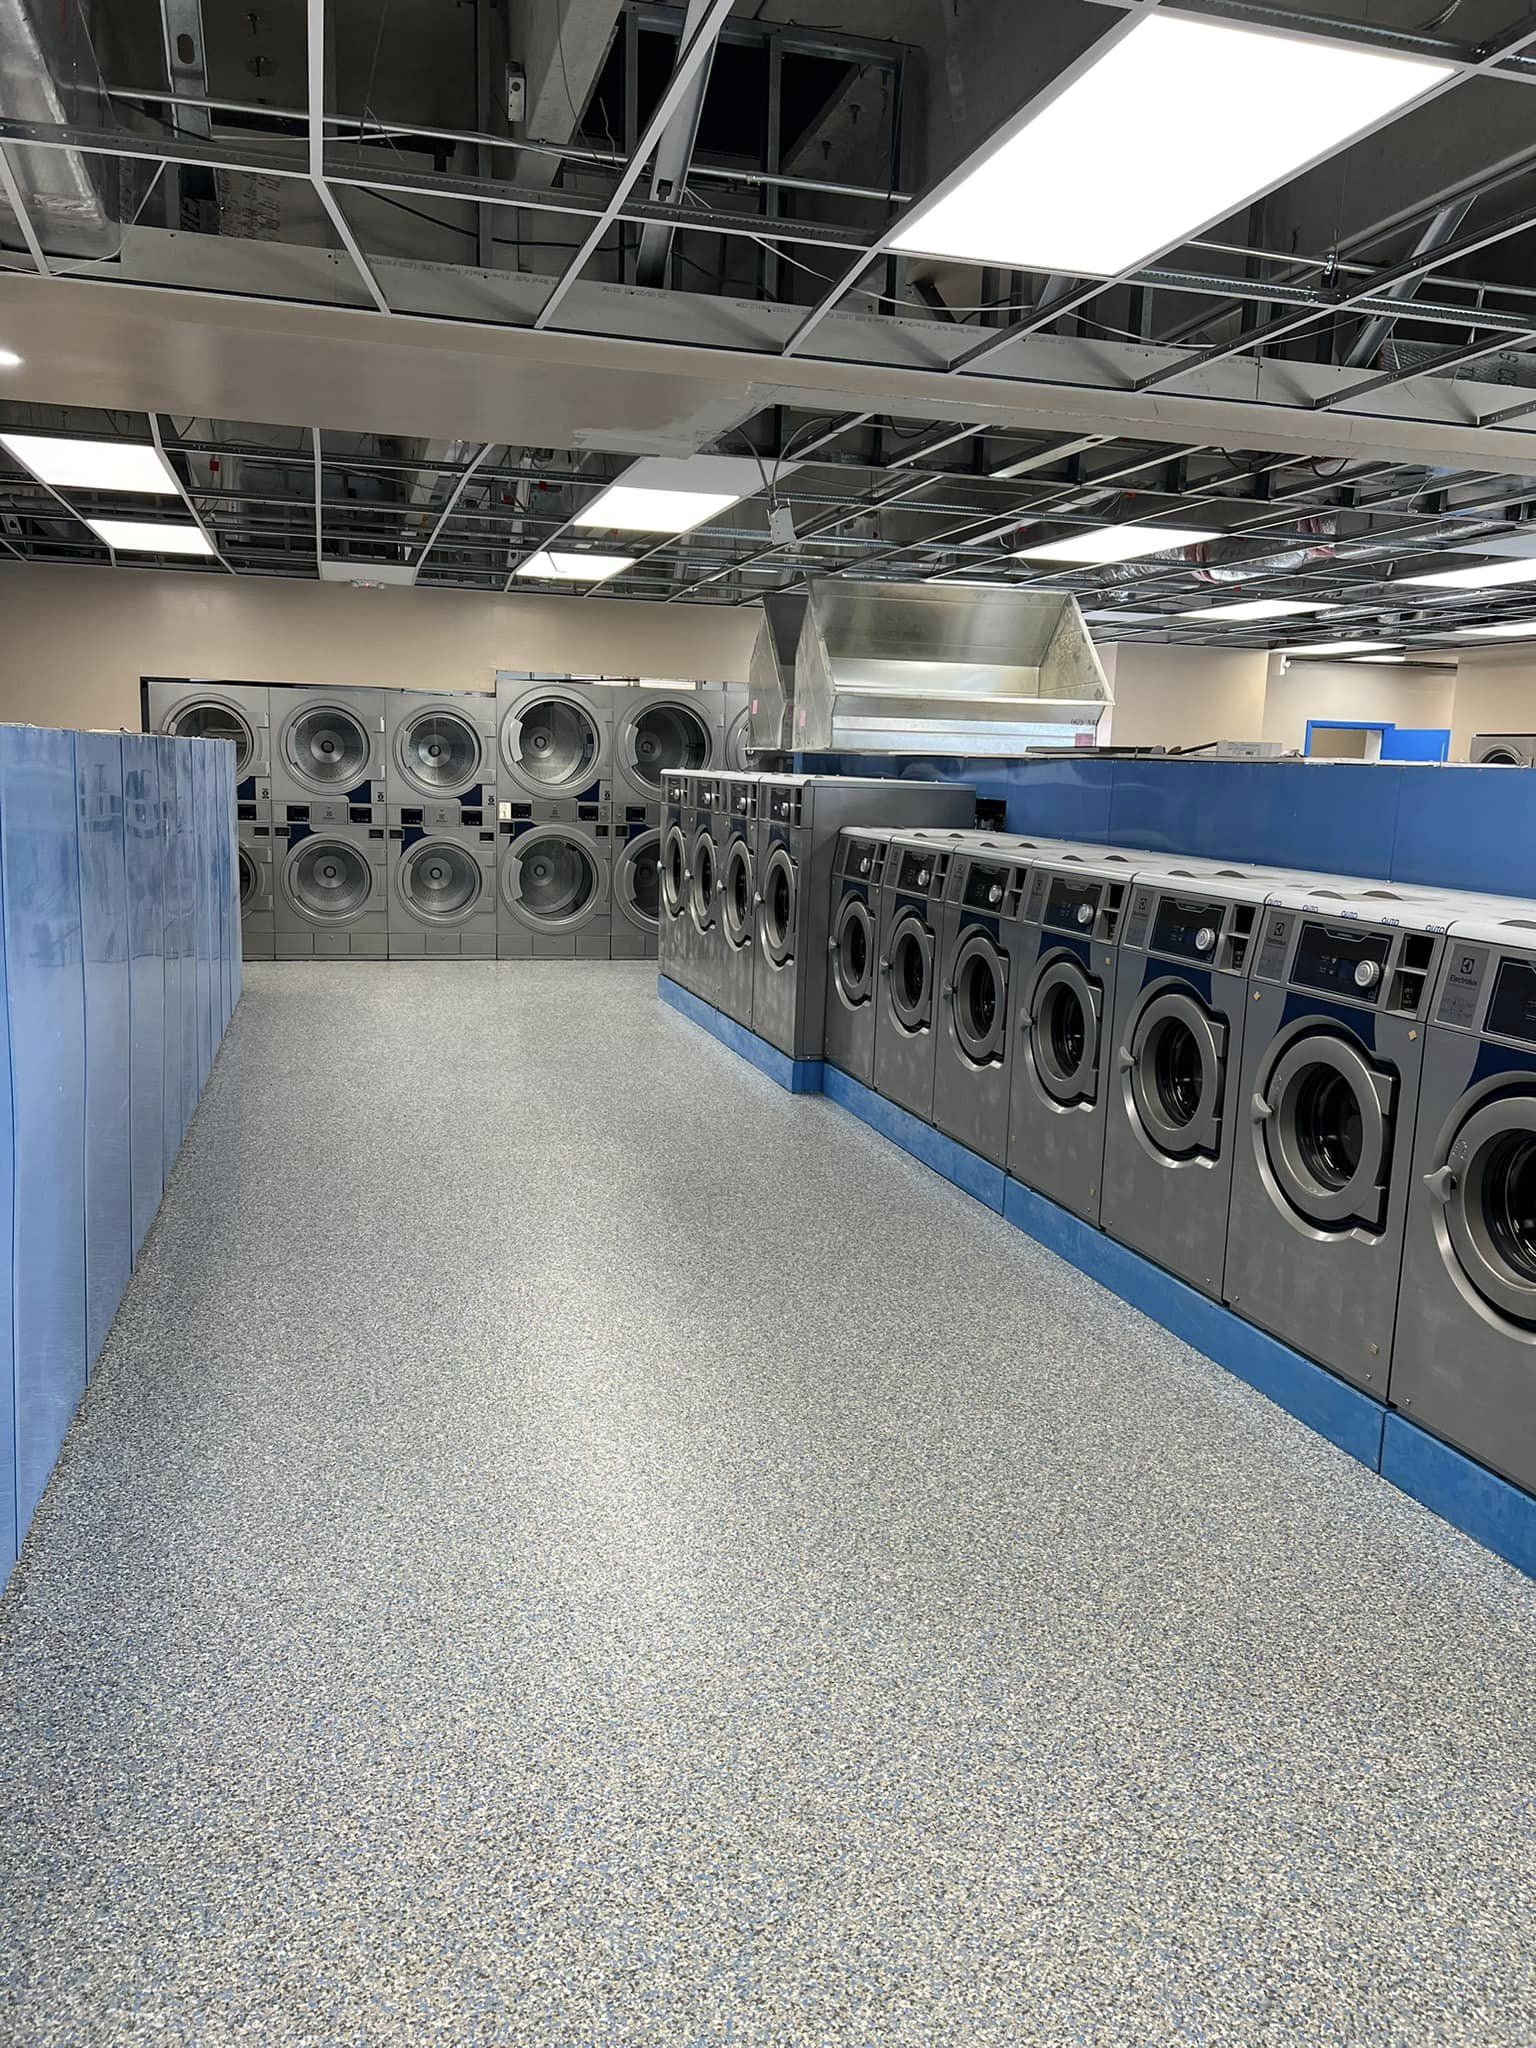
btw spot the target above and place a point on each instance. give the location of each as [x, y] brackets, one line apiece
[956, 1163]
[1499, 1516]
[10, 1525]
[1065, 942]
[1498, 1059]
[1197, 978]
[145, 852]
[978, 920]
[1360, 1024]
[797, 1077]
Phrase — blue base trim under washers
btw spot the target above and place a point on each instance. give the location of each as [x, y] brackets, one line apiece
[1339, 1412]
[957, 1163]
[1492, 1512]
[799, 1077]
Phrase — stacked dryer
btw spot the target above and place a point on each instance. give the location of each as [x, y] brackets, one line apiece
[554, 740]
[441, 799]
[657, 731]
[241, 713]
[330, 881]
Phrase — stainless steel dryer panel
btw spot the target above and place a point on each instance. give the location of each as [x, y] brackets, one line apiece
[442, 893]
[208, 710]
[848, 1038]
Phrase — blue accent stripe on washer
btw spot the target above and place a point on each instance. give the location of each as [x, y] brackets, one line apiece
[1492, 1512]
[966, 1169]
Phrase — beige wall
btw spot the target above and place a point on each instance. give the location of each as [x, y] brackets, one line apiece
[1495, 692]
[1182, 696]
[75, 641]
[1341, 689]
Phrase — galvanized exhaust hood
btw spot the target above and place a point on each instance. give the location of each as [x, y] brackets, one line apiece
[923, 669]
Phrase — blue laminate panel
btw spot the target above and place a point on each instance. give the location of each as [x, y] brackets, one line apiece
[166, 751]
[186, 885]
[1340, 817]
[1069, 798]
[8, 1530]
[1499, 1516]
[39, 850]
[228, 870]
[104, 932]
[203, 883]
[1468, 828]
[968, 1170]
[144, 849]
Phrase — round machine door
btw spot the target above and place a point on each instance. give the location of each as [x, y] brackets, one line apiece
[551, 743]
[215, 718]
[701, 883]
[1063, 1025]
[979, 999]
[438, 752]
[674, 872]
[1323, 1114]
[661, 738]
[781, 891]
[738, 741]
[329, 881]
[637, 879]
[736, 893]
[439, 881]
[550, 880]
[1500, 757]
[1175, 1065]
[326, 747]
[1487, 1186]
[853, 952]
[250, 880]
[909, 965]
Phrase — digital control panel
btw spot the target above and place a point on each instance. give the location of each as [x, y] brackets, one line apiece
[1512, 1006]
[985, 887]
[1187, 928]
[1072, 906]
[915, 871]
[1339, 961]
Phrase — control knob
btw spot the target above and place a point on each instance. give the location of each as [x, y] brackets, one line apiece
[1085, 913]
[1205, 938]
[1367, 974]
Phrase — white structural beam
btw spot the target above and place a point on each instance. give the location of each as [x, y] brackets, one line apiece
[202, 525]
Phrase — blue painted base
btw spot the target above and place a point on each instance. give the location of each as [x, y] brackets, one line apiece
[1341, 1413]
[799, 1077]
[1499, 1516]
[957, 1163]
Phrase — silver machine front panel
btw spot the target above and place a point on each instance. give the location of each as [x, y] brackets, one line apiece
[442, 893]
[735, 832]
[1503, 750]
[258, 927]
[331, 892]
[440, 760]
[207, 710]
[328, 757]
[675, 929]
[554, 739]
[554, 888]
[660, 732]
[975, 1039]
[636, 885]
[853, 951]
[907, 971]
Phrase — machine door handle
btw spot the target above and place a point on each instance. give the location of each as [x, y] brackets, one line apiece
[757, 896]
[1026, 1022]
[1262, 1110]
[831, 945]
[1441, 1183]
[885, 966]
[1126, 1059]
[949, 989]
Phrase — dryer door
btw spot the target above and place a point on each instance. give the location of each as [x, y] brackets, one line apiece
[1063, 1026]
[438, 752]
[439, 881]
[326, 747]
[978, 998]
[1487, 1186]
[674, 871]
[781, 895]
[215, 718]
[637, 879]
[909, 964]
[551, 881]
[1174, 1064]
[1323, 1114]
[701, 885]
[736, 893]
[329, 881]
[853, 952]
[551, 744]
[662, 736]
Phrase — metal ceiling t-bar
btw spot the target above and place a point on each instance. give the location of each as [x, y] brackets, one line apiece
[327, 198]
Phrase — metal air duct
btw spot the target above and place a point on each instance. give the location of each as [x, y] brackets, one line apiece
[48, 74]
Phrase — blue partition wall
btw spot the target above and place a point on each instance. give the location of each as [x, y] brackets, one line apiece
[116, 855]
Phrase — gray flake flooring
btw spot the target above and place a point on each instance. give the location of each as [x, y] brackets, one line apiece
[568, 1545]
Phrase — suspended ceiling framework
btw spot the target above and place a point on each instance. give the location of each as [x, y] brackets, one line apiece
[382, 334]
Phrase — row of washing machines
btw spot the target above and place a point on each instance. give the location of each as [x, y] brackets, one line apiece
[1311, 1097]
[407, 824]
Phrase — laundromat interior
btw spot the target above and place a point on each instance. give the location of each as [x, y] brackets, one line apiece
[768, 1024]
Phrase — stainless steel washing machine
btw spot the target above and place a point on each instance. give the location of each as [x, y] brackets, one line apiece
[657, 732]
[328, 756]
[1174, 1112]
[908, 939]
[679, 821]
[636, 883]
[1464, 1360]
[554, 896]
[440, 759]
[736, 857]
[330, 891]
[1503, 750]
[240, 712]
[442, 892]
[799, 818]
[738, 729]
[258, 931]
[848, 1025]
[706, 946]
[1339, 991]
[554, 739]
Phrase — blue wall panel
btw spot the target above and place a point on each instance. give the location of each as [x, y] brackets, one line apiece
[144, 850]
[170, 895]
[1468, 828]
[224, 791]
[45, 991]
[104, 929]
[186, 933]
[205, 883]
[1341, 817]
[9, 1529]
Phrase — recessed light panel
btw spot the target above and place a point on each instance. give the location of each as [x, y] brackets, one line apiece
[1255, 608]
[674, 493]
[150, 537]
[1073, 186]
[1117, 544]
[561, 568]
[92, 465]
[1484, 576]
[1367, 660]
[1342, 647]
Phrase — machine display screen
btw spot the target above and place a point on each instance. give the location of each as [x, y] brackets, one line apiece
[985, 888]
[1179, 924]
[1066, 900]
[916, 871]
[1512, 1012]
[1328, 958]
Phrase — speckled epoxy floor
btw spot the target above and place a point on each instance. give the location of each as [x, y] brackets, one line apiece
[569, 1545]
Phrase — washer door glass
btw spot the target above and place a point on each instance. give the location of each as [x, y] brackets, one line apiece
[1488, 1187]
[439, 881]
[674, 872]
[664, 738]
[210, 718]
[911, 972]
[328, 880]
[853, 952]
[637, 878]
[1175, 1061]
[1063, 1021]
[781, 891]
[326, 746]
[701, 887]
[1323, 1112]
[737, 893]
[979, 999]
[250, 879]
[551, 880]
[551, 744]
[438, 752]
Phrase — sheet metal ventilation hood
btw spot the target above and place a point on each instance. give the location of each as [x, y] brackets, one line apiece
[922, 668]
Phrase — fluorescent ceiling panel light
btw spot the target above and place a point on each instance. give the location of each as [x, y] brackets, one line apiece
[1364, 659]
[1072, 184]
[1256, 608]
[150, 537]
[1506, 629]
[674, 493]
[93, 465]
[1485, 576]
[561, 568]
[1343, 647]
[1117, 543]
